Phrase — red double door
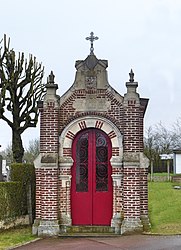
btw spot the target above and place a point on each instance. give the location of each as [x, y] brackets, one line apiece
[91, 188]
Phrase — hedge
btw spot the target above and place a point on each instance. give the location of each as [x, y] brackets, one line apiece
[11, 204]
[14, 199]
[14, 195]
[24, 173]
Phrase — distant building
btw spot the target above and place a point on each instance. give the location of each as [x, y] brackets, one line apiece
[4, 170]
[177, 161]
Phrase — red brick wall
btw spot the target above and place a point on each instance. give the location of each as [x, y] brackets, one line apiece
[38, 193]
[131, 192]
[118, 191]
[49, 129]
[47, 193]
[132, 127]
[64, 191]
[144, 191]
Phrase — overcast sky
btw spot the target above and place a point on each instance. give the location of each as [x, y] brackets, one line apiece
[144, 35]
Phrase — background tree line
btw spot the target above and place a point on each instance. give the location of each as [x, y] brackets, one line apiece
[161, 140]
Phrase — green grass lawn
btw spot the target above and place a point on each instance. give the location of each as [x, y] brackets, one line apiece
[9, 238]
[164, 208]
[161, 174]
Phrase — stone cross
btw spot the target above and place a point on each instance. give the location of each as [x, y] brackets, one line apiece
[92, 38]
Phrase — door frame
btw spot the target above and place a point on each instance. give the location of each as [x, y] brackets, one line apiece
[66, 161]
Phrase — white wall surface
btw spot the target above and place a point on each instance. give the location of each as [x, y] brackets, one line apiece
[178, 163]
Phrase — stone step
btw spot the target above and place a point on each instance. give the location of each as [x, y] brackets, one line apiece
[87, 230]
[89, 235]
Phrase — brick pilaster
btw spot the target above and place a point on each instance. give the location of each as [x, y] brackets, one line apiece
[49, 193]
[131, 187]
[144, 198]
[38, 193]
[49, 129]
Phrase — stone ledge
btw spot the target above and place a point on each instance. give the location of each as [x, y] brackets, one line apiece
[46, 228]
[13, 222]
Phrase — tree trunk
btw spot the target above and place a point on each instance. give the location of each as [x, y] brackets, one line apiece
[17, 146]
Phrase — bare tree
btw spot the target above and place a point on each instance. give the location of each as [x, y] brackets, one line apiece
[177, 133]
[20, 88]
[7, 154]
[32, 151]
[151, 146]
[161, 140]
[164, 139]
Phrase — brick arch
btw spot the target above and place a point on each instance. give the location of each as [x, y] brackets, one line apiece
[68, 134]
[92, 114]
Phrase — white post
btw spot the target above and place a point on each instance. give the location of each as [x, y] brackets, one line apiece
[168, 169]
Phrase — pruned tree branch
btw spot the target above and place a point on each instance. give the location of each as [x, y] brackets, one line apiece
[20, 88]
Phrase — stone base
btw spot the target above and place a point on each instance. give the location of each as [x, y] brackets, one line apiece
[146, 223]
[131, 226]
[65, 219]
[116, 223]
[35, 227]
[46, 228]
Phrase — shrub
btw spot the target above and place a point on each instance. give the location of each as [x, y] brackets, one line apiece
[11, 200]
[24, 173]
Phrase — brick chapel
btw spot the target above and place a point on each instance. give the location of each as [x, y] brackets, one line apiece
[91, 172]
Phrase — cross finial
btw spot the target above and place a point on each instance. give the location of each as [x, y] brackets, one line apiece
[131, 74]
[92, 38]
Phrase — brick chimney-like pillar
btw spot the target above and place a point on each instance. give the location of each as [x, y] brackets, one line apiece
[131, 159]
[46, 164]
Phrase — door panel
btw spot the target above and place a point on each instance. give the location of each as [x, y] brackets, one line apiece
[102, 190]
[91, 188]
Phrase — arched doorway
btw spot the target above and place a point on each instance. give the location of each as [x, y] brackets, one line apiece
[91, 187]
